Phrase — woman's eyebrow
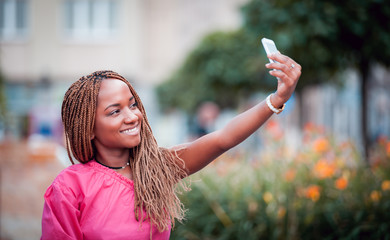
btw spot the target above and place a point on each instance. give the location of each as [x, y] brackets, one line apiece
[116, 104]
[112, 105]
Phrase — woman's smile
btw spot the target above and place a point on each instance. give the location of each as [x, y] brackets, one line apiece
[131, 131]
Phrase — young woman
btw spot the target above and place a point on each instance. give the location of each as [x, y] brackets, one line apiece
[124, 186]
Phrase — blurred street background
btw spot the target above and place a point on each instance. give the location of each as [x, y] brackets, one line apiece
[321, 166]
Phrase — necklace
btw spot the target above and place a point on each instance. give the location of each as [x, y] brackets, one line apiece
[115, 168]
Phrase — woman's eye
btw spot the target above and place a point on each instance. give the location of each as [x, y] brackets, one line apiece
[114, 112]
[134, 105]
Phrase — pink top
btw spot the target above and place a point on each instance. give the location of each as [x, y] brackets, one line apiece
[90, 201]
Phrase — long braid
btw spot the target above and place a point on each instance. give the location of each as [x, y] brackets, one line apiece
[156, 171]
[78, 116]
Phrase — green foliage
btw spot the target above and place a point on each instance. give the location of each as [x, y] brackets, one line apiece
[225, 68]
[324, 36]
[321, 191]
[301, 30]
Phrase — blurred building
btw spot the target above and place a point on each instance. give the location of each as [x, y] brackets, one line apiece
[48, 44]
[45, 45]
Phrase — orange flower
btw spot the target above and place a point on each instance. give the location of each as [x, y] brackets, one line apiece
[313, 192]
[324, 169]
[281, 212]
[321, 145]
[272, 124]
[267, 197]
[341, 183]
[309, 126]
[386, 185]
[274, 129]
[290, 175]
[388, 149]
[375, 196]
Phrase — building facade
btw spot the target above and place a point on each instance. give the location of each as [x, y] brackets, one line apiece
[48, 44]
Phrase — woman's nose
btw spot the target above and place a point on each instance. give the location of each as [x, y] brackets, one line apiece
[130, 116]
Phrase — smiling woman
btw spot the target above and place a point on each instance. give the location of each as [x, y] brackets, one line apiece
[106, 128]
[125, 184]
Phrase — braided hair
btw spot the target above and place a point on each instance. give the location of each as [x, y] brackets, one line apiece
[155, 170]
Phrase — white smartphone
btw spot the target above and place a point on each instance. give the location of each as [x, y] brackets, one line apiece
[269, 47]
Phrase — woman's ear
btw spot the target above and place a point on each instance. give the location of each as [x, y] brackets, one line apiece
[92, 136]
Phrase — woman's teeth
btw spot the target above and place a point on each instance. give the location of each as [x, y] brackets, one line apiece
[132, 130]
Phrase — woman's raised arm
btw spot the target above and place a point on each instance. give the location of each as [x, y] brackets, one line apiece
[202, 151]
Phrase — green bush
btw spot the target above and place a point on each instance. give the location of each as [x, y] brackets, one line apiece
[321, 191]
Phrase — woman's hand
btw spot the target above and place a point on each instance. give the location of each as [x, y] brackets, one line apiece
[288, 76]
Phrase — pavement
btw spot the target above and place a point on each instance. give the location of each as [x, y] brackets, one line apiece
[27, 168]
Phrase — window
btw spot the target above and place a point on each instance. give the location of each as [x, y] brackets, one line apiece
[86, 19]
[13, 19]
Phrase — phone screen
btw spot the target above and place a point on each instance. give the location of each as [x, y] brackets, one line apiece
[269, 46]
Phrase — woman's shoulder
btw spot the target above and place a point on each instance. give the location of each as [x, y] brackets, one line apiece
[76, 169]
[75, 173]
[88, 174]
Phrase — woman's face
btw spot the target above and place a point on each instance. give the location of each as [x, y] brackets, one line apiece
[118, 119]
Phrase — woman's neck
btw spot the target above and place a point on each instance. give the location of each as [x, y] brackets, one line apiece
[113, 159]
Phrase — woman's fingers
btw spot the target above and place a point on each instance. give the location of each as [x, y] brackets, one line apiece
[285, 64]
[287, 71]
[288, 66]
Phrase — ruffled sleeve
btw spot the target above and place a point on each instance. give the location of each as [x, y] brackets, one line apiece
[61, 214]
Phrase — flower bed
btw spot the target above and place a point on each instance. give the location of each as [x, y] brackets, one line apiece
[324, 190]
